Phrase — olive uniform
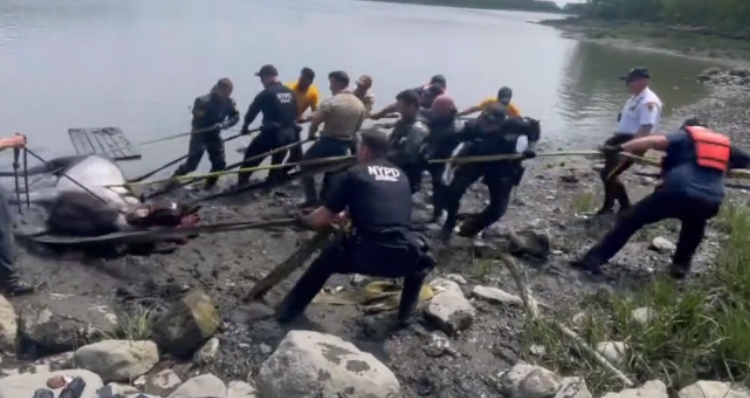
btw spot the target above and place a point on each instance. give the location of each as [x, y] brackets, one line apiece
[381, 244]
[212, 113]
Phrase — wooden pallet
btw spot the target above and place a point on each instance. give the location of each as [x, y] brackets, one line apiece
[108, 141]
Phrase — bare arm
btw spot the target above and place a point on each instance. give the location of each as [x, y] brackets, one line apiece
[641, 145]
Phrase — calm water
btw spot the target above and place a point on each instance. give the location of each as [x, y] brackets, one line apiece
[138, 64]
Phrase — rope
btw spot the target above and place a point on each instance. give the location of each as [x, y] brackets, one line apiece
[175, 136]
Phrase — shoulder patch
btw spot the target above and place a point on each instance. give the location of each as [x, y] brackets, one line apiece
[651, 105]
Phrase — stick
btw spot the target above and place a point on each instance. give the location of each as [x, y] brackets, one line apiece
[291, 264]
[532, 310]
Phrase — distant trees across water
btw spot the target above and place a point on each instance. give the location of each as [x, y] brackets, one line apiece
[520, 5]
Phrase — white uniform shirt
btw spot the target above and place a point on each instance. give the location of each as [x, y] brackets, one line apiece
[641, 110]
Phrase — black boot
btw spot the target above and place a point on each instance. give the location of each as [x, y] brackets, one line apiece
[210, 183]
[74, 389]
[303, 293]
[410, 297]
[679, 271]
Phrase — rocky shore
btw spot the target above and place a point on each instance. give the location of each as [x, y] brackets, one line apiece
[175, 325]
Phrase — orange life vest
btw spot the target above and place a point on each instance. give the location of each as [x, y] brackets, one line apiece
[712, 149]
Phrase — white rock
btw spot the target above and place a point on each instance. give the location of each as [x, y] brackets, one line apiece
[528, 381]
[118, 360]
[22, 386]
[207, 353]
[241, 389]
[163, 382]
[613, 351]
[456, 278]
[144, 396]
[642, 315]
[306, 364]
[662, 245]
[8, 326]
[495, 295]
[116, 390]
[449, 308]
[711, 389]
[652, 389]
[573, 387]
[578, 321]
[206, 385]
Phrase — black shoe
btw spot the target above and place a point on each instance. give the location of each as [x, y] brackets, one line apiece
[22, 288]
[604, 211]
[209, 184]
[585, 265]
[678, 271]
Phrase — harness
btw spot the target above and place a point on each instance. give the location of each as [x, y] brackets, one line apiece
[712, 150]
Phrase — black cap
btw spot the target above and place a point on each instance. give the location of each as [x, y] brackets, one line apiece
[495, 113]
[504, 92]
[267, 70]
[636, 73]
[439, 79]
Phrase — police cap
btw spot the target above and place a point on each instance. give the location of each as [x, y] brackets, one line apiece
[376, 140]
[267, 70]
[636, 73]
[440, 81]
[504, 92]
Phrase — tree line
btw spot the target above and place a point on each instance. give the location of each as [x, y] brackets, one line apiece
[713, 16]
[520, 5]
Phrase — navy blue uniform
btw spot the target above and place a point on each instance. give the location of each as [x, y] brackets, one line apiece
[438, 145]
[278, 103]
[381, 244]
[689, 192]
[209, 111]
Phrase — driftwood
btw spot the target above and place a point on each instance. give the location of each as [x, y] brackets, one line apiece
[291, 264]
[532, 310]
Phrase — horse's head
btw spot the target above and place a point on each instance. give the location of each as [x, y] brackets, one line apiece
[160, 214]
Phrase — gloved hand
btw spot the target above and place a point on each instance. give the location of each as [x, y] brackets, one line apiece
[610, 149]
[529, 154]
[245, 130]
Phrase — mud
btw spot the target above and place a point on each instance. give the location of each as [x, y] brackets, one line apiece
[557, 196]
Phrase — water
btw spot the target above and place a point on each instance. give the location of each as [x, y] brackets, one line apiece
[139, 64]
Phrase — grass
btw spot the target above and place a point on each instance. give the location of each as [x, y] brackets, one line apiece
[700, 328]
[584, 202]
[134, 325]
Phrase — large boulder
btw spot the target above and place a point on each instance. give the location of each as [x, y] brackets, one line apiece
[187, 325]
[651, 389]
[56, 323]
[118, 360]
[206, 385]
[8, 326]
[310, 364]
[712, 389]
[449, 308]
[24, 385]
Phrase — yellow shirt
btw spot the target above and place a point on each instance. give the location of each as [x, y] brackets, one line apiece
[513, 110]
[305, 99]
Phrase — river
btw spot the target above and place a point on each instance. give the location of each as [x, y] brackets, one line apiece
[139, 64]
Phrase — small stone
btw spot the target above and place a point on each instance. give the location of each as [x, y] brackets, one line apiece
[163, 382]
[265, 348]
[579, 319]
[456, 278]
[643, 315]
[206, 385]
[241, 389]
[187, 325]
[651, 389]
[613, 351]
[449, 308]
[8, 326]
[662, 245]
[537, 350]
[573, 387]
[56, 382]
[539, 383]
[207, 354]
[118, 360]
[495, 295]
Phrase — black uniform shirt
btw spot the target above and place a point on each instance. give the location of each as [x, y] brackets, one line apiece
[377, 194]
[209, 110]
[278, 104]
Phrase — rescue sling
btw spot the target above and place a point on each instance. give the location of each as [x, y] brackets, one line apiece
[712, 150]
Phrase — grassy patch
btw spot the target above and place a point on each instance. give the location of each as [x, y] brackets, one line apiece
[585, 202]
[134, 325]
[700, 329]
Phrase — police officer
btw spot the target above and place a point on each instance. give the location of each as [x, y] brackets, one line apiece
[492, 133]
[426, 94]
[441, 124]
[212, 113]
[381, 244]
[407, 137]
[279, 107]
[691, 190]
[341, 116]
[639, 117]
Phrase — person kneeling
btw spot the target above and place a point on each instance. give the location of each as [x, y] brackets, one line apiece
[382, 244]
[691, 190]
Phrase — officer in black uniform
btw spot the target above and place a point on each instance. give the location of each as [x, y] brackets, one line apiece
[407, 137]
[492, 133]
[691, 190]
[212, 113]
[278, 104]
[441, 123]
[381, 244]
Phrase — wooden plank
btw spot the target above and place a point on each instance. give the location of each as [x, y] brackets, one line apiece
[108, 141]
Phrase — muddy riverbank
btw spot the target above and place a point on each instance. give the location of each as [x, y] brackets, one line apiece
[555, 200]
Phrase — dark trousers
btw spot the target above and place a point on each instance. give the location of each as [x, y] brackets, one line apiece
[660, 205]
[614, 190]
[8, 274]
[210, 142]
[386, 257]
[500, 188]
[439, 185]
[267, 141]
[324, 147]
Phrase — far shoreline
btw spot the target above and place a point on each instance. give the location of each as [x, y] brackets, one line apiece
[478, 5]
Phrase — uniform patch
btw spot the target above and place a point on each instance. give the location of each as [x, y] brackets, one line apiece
[651, 106]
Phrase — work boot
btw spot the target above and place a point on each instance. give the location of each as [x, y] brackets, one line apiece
[586, 264]
[210, 184]
[21, 288]
[679, 271]
[410, 297]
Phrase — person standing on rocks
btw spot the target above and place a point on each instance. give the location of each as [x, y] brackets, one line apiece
[362, 91]
[407, 137]
[691, 190]
[639, 117]
[492, 133]
[10, 283]
[426, 94]
[382, 243]
[504, 96]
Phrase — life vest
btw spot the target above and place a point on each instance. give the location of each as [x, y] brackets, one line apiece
[712, 150]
